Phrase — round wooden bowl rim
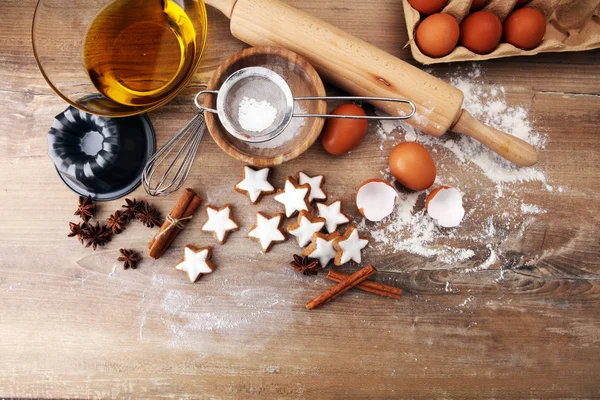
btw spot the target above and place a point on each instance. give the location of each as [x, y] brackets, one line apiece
[212, 120]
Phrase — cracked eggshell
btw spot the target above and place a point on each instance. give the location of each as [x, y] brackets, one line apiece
[444, 204]
[376, 199]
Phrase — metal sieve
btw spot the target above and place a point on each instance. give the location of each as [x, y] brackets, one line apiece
[263, 84]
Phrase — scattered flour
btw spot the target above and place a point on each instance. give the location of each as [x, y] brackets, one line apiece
[531, 209]
[467, 301]
[413, 231]
[491, 260]
[490, 218]
[244, 307]
[450, 289]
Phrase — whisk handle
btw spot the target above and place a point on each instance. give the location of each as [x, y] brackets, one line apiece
[201, 107]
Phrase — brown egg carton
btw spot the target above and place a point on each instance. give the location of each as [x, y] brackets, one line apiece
[571, 25]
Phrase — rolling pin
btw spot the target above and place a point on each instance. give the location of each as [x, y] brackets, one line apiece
[364, 70]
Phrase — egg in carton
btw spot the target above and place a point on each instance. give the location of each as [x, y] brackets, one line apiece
[571, 25]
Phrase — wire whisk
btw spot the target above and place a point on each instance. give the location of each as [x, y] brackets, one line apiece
[177, 155]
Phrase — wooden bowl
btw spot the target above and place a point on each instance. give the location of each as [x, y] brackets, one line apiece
[299, 135]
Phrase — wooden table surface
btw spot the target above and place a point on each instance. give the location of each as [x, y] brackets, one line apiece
[74, 324]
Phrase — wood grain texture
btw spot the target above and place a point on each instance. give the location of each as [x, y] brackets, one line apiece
[73, 324]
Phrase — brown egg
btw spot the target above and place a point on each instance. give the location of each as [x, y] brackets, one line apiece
[428, 6]
[437, 35]
[412, 165]
[525, 28]
[478, 4]
[481, 32]
[339, 136]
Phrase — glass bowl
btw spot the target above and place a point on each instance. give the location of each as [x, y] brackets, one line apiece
[117, 58]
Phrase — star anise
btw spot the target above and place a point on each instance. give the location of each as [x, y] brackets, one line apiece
[305, 265]
[149, 216]
[97, 235]
[86, 208]
[77, 230]
[129, 258]
[117, 222]
[132, 207]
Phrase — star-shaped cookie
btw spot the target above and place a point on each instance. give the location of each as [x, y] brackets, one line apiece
[255, 184]
[315, 182]
[267, 231]
[220, 222]
[349, 246]
[322, 248]
[305, 226]
[333, 215]
[196, 262]
[294, 197]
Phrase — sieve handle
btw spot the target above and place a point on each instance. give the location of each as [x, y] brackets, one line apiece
[201, 107]
[405, 101]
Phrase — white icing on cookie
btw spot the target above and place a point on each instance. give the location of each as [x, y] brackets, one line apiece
[220, 222]
[305, 230]
[267, 231]
[324, 251]
[255, 183]
[315, 182]
[195, 263]
[333, 215]
[351, 247]
[293, 198]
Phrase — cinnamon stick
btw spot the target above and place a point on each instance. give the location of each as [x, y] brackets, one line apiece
[352, 280]
[176, 212]
[189, 211]
[368, 286]
[187, 204]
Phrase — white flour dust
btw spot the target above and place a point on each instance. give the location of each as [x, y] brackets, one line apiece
[289, 133]
[492, 216]
[256, 116]
[244, 307]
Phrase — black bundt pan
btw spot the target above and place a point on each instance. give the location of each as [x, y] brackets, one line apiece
[108, 166]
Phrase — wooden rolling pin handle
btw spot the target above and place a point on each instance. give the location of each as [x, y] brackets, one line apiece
[509, 147]
[225, 6]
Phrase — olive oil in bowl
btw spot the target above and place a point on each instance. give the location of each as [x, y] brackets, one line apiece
[138, 52]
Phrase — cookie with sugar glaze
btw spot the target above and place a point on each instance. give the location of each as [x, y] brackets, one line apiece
[315, 182]
[333, 215]
[305, 227]
[294, 197]
[196, 262]
[349, 247]
[255, 184]
[220, 222]
[322, 248]
[267, 231]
